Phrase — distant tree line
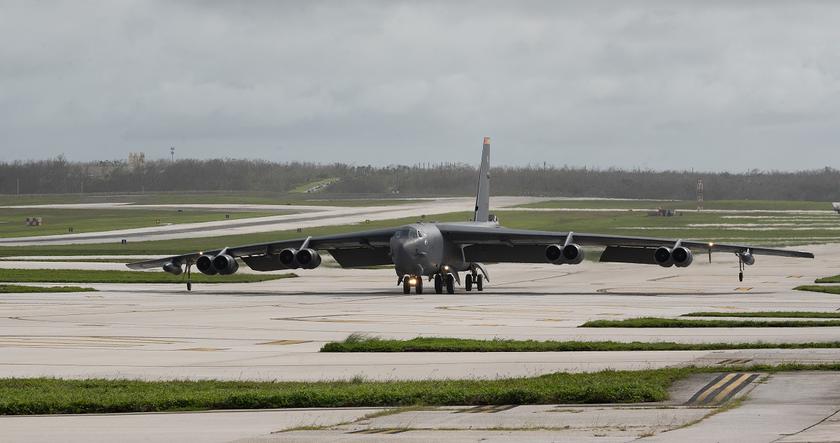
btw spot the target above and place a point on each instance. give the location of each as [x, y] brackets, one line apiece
[61, 176]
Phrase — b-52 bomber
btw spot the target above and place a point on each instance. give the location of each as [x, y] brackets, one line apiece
[440, 252]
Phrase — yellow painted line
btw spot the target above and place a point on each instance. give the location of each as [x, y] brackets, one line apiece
[743, 289]
[284, 342]
[204, 349]
[714, 387]
[724, 393]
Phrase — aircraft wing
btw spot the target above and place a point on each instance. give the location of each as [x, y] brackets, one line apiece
[365, 248]
[482, 243]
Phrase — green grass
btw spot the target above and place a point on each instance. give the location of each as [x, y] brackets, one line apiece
[768, 205]
[446, 344]
[766, 314]
[188, 245]
[832, 279]
[823, 289]
[52, 396]
[653, 322]
[59, 221]
[55, 396]
[610, 222]
[256, 198]
[84, 276]
[18, 289]
[703, 226]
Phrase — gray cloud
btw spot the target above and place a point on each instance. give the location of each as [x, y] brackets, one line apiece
[704, 85]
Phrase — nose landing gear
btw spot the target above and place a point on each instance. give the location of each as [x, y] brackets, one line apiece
[409, 280]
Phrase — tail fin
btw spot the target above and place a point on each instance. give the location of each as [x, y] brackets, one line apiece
[482, 196]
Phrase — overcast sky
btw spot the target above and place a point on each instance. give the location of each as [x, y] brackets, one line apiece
[702, 85]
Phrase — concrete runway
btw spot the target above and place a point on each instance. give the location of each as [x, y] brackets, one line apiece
[272, 331]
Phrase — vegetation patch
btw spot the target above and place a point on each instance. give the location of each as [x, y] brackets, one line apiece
[189, 245]
[62, 220]
[444, 344]
[84, 276]
[766, 314]
[19, 289]
[55, 396]
[653, 322]
[833, 279]
[815, 288]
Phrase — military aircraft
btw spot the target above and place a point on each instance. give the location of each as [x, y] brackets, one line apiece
[441, 251]
[836, 207]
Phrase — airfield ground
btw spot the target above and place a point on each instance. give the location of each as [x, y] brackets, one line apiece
[273, 331]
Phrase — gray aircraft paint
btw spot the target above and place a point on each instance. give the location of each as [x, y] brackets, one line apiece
[431, 249]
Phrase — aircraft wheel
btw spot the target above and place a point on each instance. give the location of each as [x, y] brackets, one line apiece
[479, 282]
[418, 288]
[468, 282]
[406, 286]
[438, 284]
[189, 286]
[450, 284]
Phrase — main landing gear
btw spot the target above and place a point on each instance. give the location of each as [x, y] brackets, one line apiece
[442, 280]
[409, 280]
[474, 279]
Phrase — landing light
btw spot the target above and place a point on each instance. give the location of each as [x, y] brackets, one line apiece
[711, 245]
[412, 281]
[446, 268]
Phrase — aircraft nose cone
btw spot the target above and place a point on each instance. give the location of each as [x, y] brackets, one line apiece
[402, 257]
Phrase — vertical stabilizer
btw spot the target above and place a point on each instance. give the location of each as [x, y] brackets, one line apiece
[482, 195]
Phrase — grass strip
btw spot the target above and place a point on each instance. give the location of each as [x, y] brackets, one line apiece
[99, 276]
[441, 344]
[766, 314]
[815, 288]
[55, 396]
[18, 289]
[833, 279]
[653, 322]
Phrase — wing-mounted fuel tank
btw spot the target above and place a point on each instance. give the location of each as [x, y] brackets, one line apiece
[569, 253]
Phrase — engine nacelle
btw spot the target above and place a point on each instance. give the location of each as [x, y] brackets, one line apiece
[308, 258]
[225, 264]
[682, 256]
[173, 269]
[287, 258]
[554, 254]
[664, 257]
[204, 264]
[747, 258]
[570, 254]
